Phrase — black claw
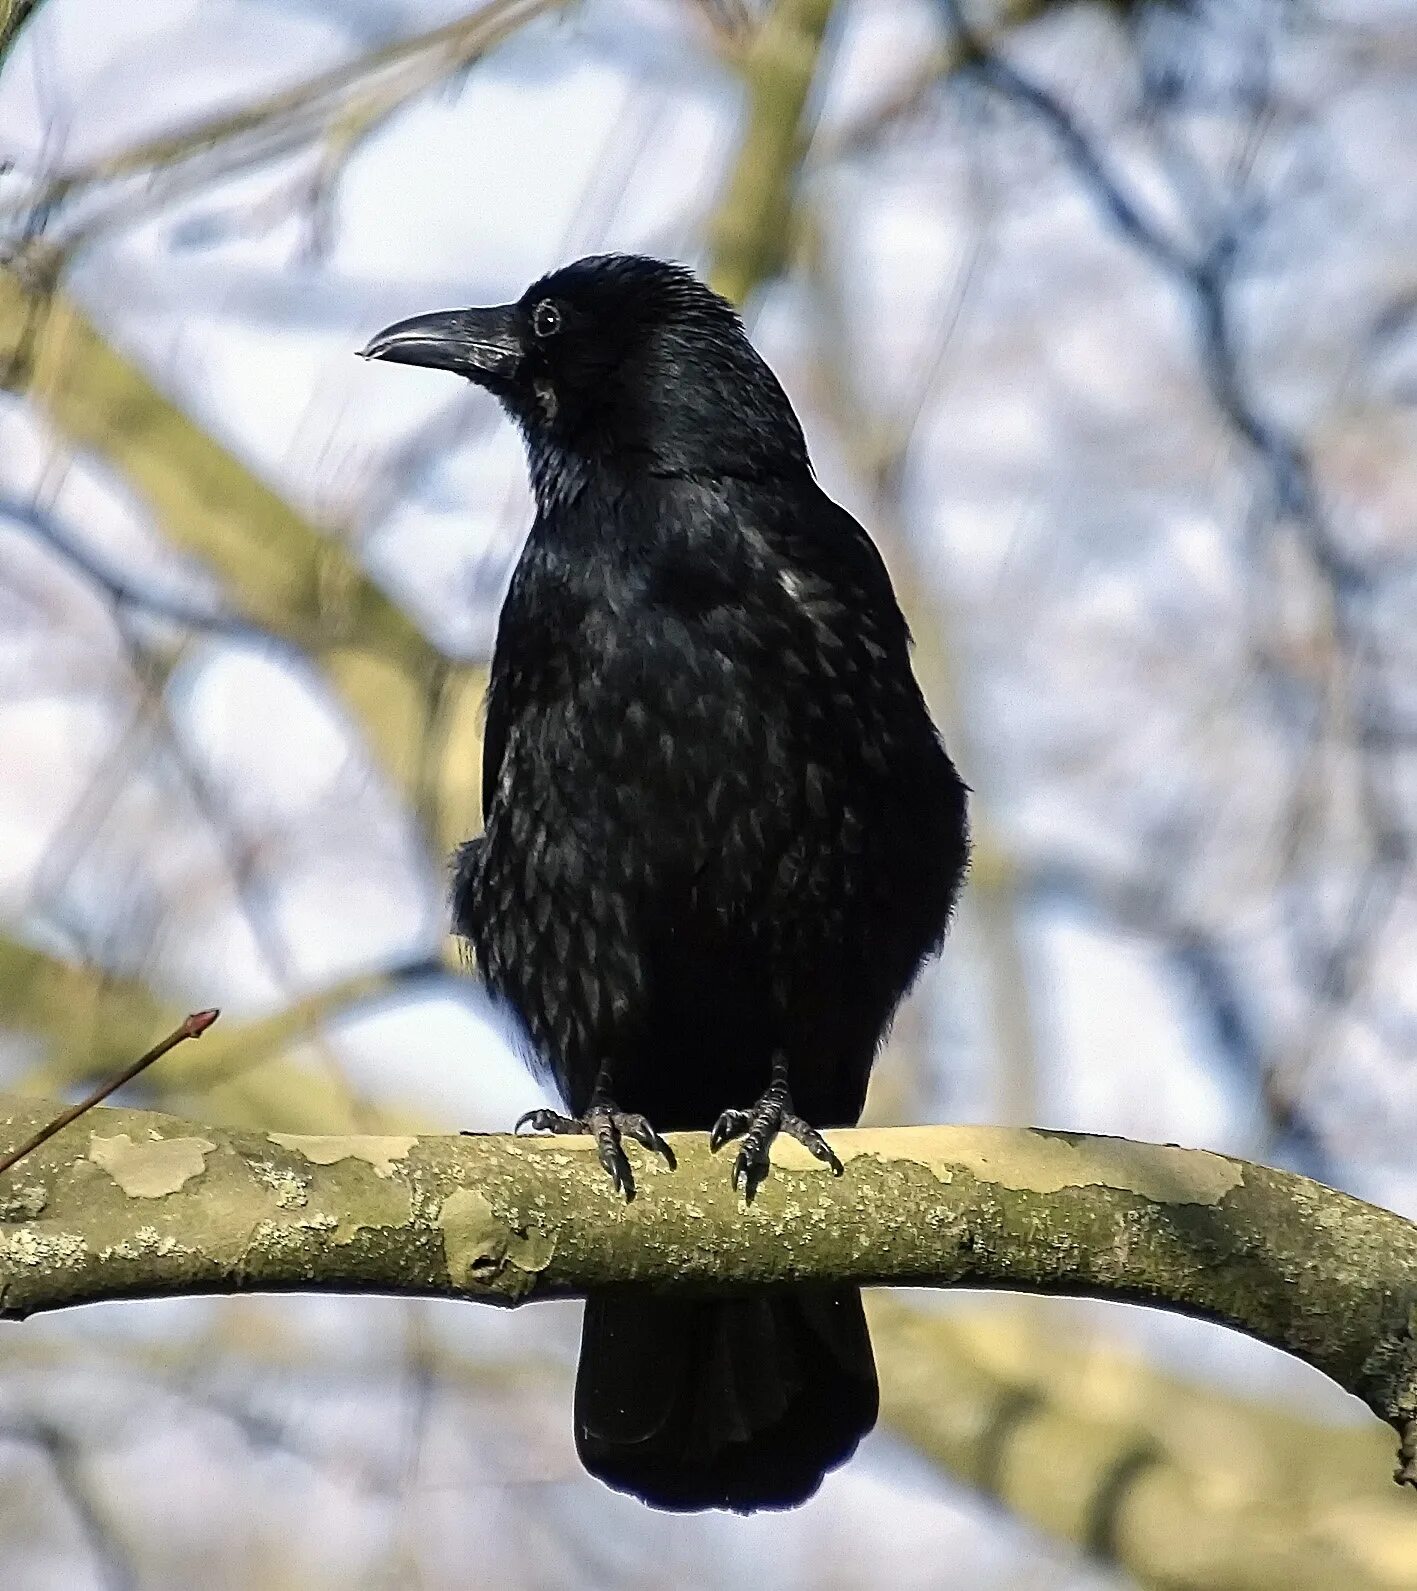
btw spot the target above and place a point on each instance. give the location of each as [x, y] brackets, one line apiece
[731, 1124]
[543, 1120]
[612, 1158]
[749, 1169]
[641, 1131]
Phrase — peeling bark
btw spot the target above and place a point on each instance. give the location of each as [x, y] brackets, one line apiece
[129, 1204]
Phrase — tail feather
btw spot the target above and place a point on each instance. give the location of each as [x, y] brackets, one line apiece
[741, 1403]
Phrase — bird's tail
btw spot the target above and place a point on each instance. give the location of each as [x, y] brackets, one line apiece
[740, 1403]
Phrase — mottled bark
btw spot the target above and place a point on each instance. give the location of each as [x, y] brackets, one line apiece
[131, 1204]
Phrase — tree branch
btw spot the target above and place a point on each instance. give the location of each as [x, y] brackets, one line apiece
[13, 16]
[279, 570]
[750, 228]
[1179, 1484]
[338, 104]
[144, 1205]
[92, 1019]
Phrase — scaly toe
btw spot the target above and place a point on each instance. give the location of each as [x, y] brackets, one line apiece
[640, 1130]
[750, 1167]
[604, 1123]
[549, 1121]
[612, 1157]
[812, 1141]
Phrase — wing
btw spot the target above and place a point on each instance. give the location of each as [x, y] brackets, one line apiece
[526, 630]
[494, 738]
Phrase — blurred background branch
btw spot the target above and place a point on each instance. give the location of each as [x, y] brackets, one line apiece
[13, 16]
[1178, 1484]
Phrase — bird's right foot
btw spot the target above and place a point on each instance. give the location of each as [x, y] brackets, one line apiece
[608, 1124]
[773, 1114]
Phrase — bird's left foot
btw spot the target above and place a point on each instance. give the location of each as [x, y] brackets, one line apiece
[757, 1128]
[607, 1124]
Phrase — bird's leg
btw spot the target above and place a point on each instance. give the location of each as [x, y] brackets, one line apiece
[759, 1126]
[607, 1123]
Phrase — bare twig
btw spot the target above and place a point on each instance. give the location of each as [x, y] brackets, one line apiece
[191, 1028]
[337, 106]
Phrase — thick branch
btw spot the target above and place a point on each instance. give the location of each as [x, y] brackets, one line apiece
[133, 1204]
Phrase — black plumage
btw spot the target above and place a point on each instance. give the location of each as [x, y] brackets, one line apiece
[721, 832]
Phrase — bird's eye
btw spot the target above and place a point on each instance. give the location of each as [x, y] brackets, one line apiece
[546, 318]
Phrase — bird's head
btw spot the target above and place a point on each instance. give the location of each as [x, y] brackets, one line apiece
[617, 360]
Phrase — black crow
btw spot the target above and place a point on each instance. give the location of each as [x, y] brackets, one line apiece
[721, 833]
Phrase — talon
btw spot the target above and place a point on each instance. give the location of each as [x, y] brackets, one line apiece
[640, 1130]
[612, 1158]
[749, 1169]
[731, 1124]
[543, 1120]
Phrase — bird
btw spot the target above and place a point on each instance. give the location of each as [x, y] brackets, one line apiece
[721, 832]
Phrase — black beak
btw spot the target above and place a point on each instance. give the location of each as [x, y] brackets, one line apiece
[485, 345]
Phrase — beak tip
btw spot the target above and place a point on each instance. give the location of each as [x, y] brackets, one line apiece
[481, 344]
